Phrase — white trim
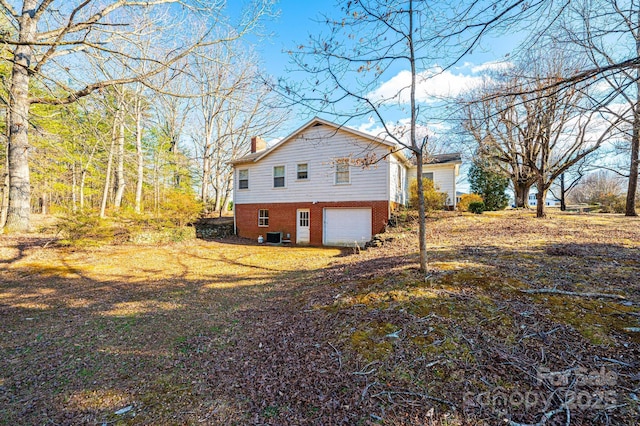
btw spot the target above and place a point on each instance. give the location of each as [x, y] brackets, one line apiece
[284, 176]
[335, 176]
[248, 180]
[259, 217]
[297, 179]
[298, 240]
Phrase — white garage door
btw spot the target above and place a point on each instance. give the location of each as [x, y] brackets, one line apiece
[346, 226]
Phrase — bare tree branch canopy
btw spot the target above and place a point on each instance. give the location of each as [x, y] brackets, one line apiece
[53, 40]
[608, 33]
[535, 132]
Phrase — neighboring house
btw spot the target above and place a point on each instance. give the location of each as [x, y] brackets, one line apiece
[442, 169]
[550, 201]
[312, 187]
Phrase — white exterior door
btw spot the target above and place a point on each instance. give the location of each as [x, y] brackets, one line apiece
[302, 227]
[347, 226]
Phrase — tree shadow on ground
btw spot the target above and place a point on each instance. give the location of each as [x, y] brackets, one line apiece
[257, 345]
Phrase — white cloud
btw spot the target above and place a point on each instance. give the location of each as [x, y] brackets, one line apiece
[401, 129]
[492, 66]
[436, 83]
[432, 84]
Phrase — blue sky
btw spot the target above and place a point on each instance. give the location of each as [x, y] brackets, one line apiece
[296, 19]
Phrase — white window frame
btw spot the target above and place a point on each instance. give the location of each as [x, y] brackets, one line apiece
[432, 178]
[341, 164]
[284, 176]
[263, 220]
[305, 171]
[302, 219]
[240, 180]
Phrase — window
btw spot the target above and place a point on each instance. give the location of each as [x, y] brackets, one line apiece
[263, 217]
[428, 175]
[342, 172]
[303, 171]
[278, 177]
[243, 179]
[303, 218]
[399, 182]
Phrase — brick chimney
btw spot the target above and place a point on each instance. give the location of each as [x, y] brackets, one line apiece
[258, 144]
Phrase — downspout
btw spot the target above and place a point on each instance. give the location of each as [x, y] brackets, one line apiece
[389, 183]
[235, 230]
[455, 190]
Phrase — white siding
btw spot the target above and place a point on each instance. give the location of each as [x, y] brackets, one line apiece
[317, 147]
[398, 173]
[444, 178]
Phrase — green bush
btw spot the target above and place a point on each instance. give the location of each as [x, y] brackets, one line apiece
[467, 199]
[489, 184]
[433, 199]
[477, 207]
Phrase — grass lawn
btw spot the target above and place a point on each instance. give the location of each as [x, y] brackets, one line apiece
[222, 332]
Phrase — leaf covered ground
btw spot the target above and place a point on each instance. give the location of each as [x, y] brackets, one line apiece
[229, 332]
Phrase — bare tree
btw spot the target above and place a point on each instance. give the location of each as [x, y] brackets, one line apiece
[597, 186]
[529, 124]
[233, 106]
[608, 32]
[45, 32]
[503, 136]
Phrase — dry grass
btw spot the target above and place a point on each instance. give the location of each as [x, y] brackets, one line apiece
[228, 333]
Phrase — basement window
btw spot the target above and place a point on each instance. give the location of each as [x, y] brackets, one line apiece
[263, 217]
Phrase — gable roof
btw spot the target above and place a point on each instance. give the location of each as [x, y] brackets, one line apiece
[453, 158]
[257, 156]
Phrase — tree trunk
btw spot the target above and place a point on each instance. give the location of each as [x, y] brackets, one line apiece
[563, 203]
[107, 177]
[422, 221]
[632, 188]
[521, 191]
[74, 188]
[44, 202]
[419, 148]
[206, 170]
[140, 157]
[541, 198]
[5, 191]
[19, 209]
[83, 178]
[120, 183]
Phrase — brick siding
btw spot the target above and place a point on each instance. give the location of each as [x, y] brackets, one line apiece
[282, 218]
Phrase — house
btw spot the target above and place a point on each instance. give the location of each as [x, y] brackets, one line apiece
[550, 201]
[442, 169]
[324, 184]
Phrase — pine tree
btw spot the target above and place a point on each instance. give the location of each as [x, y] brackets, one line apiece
[490, 185]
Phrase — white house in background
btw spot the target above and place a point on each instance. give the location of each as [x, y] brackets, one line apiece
[550, 201]
[442, 169]
[311, 187]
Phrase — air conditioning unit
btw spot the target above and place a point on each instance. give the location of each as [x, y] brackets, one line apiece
[274, 237]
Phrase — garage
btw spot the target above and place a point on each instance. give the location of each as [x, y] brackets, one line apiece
[346, 226]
